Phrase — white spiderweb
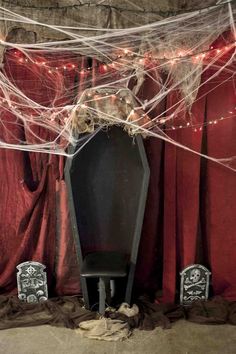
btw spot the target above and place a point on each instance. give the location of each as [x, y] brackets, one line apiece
[58, 93]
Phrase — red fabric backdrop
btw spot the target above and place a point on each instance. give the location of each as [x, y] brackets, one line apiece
[33, 205]
[190, 213]
[190, 208]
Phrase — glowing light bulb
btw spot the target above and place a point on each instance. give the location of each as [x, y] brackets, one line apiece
[218, 50]
[173, 128]
[215, 121]
[162, 120]
[188, 124]
[126, 51]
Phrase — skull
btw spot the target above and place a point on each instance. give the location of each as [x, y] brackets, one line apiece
[195, 275]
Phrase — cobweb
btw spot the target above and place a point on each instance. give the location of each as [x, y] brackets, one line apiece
[60, 93]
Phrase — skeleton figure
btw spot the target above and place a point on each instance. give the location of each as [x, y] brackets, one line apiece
[195, 275]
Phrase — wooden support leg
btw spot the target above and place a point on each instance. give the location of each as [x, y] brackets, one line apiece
[102, 295]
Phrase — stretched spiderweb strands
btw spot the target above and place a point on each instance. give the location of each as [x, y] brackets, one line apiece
[89, 82]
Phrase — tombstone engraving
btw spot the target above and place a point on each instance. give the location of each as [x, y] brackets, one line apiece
[194, 284]
[32, 282]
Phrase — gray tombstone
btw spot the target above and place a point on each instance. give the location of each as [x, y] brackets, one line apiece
[32, 282]
[194, 284]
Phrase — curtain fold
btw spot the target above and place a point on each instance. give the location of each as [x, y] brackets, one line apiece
[199, 196]
[33, 192]
[181, 199]
[220, 192]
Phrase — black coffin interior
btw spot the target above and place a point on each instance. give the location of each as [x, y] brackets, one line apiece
[108, 182]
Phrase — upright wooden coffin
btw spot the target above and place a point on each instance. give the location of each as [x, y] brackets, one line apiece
[107, 182]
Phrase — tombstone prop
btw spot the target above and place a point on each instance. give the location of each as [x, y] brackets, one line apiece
[32, 282]
[107, 184]
[194, 284]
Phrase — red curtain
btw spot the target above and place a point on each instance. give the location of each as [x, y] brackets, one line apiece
[191, 204]
[190, 208]
[33, 205]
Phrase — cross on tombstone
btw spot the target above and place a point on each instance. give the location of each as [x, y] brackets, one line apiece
[194, 284]
[32, 282]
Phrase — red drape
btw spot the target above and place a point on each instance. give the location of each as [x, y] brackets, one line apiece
[33, 205]
[199, 196]
[190, 208]
[219, 201]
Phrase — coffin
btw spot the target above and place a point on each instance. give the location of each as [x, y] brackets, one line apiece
[107, 183]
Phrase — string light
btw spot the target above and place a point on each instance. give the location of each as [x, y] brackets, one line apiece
[129, 55]
[211, 122]
[137, 58]
[94, 96]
